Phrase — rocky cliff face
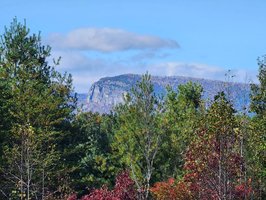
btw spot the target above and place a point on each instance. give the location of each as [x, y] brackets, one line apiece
[109, 91]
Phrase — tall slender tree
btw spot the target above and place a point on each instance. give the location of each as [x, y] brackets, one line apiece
[257, 139]
[138, 137]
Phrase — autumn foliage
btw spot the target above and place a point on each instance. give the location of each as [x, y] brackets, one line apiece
[212, 173]
[214, 165]
[208, 177]
[50, 148]
[170, 190]
[124, 190]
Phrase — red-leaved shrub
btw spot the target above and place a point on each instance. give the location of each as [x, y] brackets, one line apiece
[124, 190]
[170, 190]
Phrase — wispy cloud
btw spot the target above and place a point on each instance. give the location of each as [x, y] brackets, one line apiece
[199, 70]
[108, 40]
[188, 69]
[88, 69]
[148, 54]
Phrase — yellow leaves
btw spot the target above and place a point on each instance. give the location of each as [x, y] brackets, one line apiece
[237, 131]
[30, 130]
[98, 119]
[101, 163]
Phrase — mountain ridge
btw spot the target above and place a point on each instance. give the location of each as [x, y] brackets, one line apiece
[108, 91]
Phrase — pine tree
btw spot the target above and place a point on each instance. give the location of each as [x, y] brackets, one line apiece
[179, 120]
[39, 101]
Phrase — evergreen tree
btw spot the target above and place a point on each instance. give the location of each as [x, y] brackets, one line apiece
[179, 120]
[39, 100]
[88, 151]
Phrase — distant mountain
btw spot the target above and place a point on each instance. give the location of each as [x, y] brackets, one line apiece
[108, 92]
[82, 100]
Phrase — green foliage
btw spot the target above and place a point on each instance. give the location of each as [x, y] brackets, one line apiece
[190, 95]
[47, 150]
[257, 137]
[179, 122]
[258, 92]
[138, 137]
[88, 153]
[37, 101]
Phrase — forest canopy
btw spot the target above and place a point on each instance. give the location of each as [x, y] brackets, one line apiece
[149, 147]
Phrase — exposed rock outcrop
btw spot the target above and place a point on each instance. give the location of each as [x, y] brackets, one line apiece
[108, 92]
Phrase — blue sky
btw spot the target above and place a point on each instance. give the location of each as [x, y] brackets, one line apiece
[197, 38]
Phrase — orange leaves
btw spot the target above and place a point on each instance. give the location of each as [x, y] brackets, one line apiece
[170, 190]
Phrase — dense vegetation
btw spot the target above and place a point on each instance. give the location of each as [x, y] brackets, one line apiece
[174, 147]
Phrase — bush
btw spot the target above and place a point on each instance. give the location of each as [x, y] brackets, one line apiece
[170, 190]
[124, 190]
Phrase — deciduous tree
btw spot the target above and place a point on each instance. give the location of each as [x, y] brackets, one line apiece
[213, 160]
[257, 138]
[138, 137]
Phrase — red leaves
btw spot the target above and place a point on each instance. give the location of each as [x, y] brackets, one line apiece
[100, 194]
[124, 190]
[243, 190]
[72, 197]
[125, 187]
[214, 167]
[170, 190]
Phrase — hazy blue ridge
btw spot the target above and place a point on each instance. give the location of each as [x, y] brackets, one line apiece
[109, 91]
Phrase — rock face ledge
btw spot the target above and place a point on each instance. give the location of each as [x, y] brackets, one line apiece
[109, 91]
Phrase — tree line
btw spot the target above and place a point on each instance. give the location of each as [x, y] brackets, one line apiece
[149, 147]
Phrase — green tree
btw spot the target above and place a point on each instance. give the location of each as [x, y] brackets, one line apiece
[257, 138]
[5, 117]
[88, 151]
[179, 120]
[39, 101]
[258, 91]
[138, 137]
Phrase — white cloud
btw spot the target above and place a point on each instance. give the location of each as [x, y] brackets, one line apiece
[187, 69]
[148, 54]
[246, 76]
[108, 40]
[86, 70]
[69, 60]
[199, 70]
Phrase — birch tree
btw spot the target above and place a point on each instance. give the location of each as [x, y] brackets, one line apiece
[138, 137]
